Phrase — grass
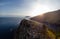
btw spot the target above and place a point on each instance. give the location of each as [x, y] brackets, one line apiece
[51, 34]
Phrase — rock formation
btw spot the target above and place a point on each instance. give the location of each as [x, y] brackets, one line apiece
[36, 27]
[29, 29]
[52, 19]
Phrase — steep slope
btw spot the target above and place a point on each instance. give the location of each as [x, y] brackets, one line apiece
[29, 29]
[46, 26]
[52, 19]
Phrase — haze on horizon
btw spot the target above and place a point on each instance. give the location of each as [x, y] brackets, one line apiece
[27, 7]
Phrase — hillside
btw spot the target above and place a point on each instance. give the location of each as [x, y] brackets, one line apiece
[52, 19]
[46, 26]
[29, 29]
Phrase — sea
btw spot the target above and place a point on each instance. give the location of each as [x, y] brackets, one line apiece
[7, 25]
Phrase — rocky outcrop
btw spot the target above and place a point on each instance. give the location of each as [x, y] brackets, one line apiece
[29, 29]
[36, 27]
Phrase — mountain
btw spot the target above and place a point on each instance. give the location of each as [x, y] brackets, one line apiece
[46, 26]
[50, 17]
[29, 29]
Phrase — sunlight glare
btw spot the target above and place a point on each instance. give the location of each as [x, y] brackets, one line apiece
[39, 9]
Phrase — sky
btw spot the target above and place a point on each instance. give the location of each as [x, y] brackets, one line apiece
[27, 7]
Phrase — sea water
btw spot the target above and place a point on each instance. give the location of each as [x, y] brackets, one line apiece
[7, 25]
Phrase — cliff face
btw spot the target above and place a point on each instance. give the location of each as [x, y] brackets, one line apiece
[29, 29]
[35, 28]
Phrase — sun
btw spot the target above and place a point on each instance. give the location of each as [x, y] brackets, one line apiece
[39, 9]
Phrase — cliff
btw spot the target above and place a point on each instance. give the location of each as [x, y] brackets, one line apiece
[29, 29]
[46, 26]
[52, 19]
